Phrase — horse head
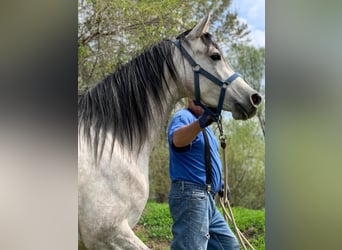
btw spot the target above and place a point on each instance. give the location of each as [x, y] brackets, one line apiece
[208, 78]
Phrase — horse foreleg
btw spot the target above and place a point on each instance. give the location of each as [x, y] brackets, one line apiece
[122, 238]
[125, 239]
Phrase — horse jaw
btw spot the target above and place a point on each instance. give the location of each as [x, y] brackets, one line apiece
[237, 99]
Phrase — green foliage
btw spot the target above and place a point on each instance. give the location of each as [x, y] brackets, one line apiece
[154, 227]
[252, 224]
[157, 219]
[159, 170]
[246, 146]
[250, 62]
[246, 161]
[110, 32]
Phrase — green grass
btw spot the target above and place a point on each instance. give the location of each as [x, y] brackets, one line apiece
[252, 224]
[154, 227]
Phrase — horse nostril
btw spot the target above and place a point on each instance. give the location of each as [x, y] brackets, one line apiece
[256, 99]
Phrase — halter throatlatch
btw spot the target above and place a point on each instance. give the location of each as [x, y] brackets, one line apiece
[199, 70]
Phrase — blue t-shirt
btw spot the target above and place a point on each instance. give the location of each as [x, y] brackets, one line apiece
[188, 163]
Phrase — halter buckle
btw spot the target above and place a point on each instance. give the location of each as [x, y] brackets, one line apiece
[196, 68]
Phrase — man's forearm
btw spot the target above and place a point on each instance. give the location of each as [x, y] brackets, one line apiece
[186, 134]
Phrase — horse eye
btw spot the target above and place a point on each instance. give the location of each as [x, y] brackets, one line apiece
[216, 57]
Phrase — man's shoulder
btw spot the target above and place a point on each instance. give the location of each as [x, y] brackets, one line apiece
[184, 115]
[183, 111]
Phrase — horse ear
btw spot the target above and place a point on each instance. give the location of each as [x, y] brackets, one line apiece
[200, 28]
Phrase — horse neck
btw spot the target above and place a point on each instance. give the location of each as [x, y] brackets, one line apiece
[174, 91]
[160, 119]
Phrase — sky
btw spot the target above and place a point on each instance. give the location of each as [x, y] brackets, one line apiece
[252, 12]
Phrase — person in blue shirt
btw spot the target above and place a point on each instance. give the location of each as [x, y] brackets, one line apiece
[197, 223]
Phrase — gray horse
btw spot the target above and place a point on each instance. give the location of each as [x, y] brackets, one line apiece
[120, 120]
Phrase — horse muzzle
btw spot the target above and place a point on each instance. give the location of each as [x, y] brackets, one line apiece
[244, 111]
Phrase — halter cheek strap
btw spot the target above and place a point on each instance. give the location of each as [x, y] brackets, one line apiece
[199, 70]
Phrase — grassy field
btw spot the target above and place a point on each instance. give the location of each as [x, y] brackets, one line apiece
[154, 227]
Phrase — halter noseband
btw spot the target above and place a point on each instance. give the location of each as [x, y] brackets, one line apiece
[199, 70]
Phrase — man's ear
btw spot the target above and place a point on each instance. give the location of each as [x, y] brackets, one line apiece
[200, 28]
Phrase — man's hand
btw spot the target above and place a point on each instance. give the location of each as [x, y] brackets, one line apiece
[206, 119]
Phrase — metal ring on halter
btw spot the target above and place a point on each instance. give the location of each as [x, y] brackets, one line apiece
[196, 68]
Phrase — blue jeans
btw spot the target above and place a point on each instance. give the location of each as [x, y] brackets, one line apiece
[197, 223]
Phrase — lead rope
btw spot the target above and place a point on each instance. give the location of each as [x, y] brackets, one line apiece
[224, 202]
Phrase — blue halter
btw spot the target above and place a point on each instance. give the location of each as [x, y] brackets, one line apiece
[199, 70]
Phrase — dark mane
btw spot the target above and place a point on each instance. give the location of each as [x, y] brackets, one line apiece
[121, 104]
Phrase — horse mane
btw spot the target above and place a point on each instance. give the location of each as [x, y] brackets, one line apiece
[121, 104]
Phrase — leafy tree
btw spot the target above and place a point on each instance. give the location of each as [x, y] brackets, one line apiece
[250, 62]
[159, 170]
[110, 32]
[246, 145]
[245, 160]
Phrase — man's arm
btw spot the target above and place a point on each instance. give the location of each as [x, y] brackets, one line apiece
[186, 134]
